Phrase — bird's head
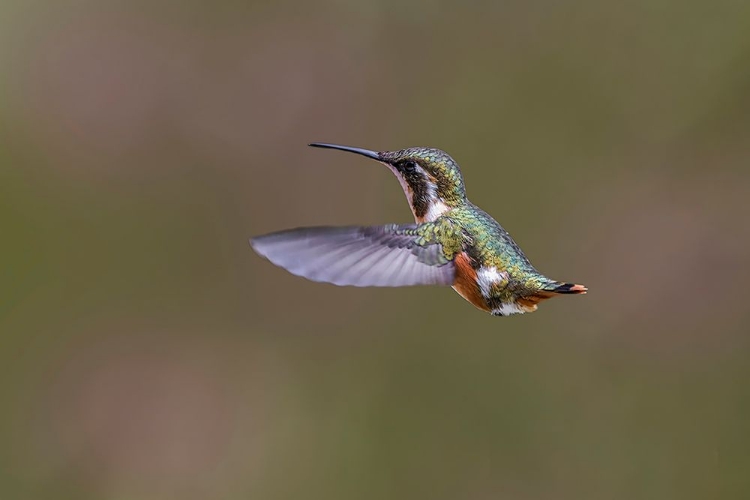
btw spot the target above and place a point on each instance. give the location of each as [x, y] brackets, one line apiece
[431, 179]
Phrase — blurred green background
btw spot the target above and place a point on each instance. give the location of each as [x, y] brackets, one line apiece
[146, 352]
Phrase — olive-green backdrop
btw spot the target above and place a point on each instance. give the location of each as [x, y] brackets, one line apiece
[147, 353]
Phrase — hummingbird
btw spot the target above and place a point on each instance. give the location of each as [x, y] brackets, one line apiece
[452, 243]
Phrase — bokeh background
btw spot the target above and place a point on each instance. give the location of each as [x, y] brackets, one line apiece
[146, 352]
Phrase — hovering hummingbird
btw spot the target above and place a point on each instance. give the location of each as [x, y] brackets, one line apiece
[453, 243]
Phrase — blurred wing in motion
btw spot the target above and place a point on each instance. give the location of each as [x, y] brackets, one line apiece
[389, 255]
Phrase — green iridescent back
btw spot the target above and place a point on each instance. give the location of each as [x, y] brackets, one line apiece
[489, 245]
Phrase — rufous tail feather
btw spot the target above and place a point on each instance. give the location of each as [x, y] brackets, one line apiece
[557, 287]
[529, 303]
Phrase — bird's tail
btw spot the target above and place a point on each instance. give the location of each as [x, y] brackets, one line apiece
[550, 289]
[558, 287]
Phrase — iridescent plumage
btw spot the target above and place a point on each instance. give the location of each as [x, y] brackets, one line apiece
[452, 243]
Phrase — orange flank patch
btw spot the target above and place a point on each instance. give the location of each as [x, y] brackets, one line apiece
[466, 282]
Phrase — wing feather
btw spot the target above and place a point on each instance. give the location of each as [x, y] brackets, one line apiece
[358, 256]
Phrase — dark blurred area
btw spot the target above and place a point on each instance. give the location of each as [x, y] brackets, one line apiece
[146, 352]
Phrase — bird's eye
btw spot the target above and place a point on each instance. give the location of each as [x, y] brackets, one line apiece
[409, 166]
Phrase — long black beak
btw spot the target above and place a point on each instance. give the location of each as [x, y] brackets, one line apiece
[364, 152]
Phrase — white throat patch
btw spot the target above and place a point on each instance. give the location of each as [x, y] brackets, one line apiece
[435, 208]
[407, 190]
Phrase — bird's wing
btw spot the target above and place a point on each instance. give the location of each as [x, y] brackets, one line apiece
[389, 255]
